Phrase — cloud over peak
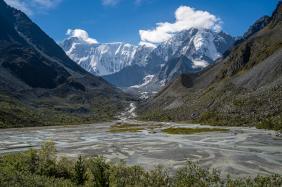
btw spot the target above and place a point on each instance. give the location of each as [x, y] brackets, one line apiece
[81, 34]
[185, 18]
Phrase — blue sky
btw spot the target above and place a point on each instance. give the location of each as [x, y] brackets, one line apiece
[121, 20]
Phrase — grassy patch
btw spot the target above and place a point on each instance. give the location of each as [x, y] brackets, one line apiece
[192, 130]
[125, 127]
[119, 130]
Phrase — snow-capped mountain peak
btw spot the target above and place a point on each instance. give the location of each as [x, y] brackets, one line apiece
[100, 59]
[203, 42]
[201, 46]
[146, 69]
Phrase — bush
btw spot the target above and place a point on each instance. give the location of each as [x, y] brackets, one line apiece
[79, 171]
[193, 175]
[273, 123]
[100, 171]
[47, 159]
[26, 169]
[122, 175]
[158, 177]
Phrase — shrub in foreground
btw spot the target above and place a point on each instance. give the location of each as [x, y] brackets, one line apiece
[43, 168]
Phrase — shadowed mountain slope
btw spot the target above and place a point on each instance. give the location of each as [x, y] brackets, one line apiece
[40, 85]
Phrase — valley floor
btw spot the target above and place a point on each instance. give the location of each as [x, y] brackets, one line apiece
[239, 151]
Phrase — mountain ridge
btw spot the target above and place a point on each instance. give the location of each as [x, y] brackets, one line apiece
[242, 88]
[40, 85]
[200, 46]
[103, 59]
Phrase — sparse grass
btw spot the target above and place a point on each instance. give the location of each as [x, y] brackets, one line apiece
[192, 130]
[125, 127]
[120, 130]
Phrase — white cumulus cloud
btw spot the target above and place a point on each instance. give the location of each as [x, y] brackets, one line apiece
[185, 18]
[33, 6]
[81, 34]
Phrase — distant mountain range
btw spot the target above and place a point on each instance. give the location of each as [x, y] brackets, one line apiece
[242, 88]
[129, 67]
[41, 85]
[104, 59]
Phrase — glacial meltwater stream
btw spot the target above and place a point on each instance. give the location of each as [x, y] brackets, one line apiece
[239, 152]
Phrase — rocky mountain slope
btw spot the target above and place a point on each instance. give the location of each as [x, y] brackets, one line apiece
[199, 48]
[40, 85]
[187, 52]
[127, 66]
[243, 88]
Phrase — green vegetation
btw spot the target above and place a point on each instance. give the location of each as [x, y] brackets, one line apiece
[155, 115]
[210, 117]
[119, 128]
[14, 113]
[274, 123]
[222, 108]
[192, 130]
[80, 171]
[43, 168]
[126, 127]
[214, 118]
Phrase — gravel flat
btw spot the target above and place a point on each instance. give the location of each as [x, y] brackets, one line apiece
[239, 152]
